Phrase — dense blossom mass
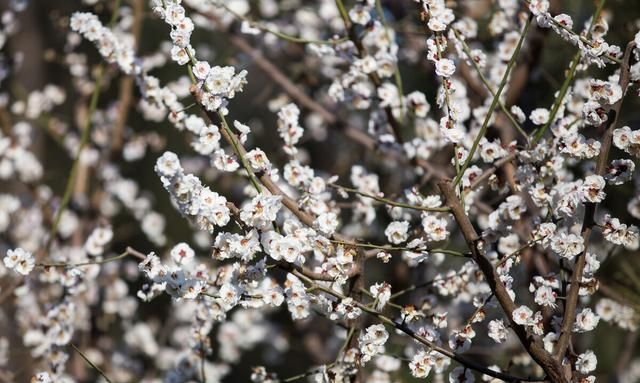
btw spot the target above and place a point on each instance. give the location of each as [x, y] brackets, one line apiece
[392, 205]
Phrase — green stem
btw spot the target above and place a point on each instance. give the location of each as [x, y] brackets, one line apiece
[240, 153]
[567, 81]
[513, 254]
[494, 103]
[487, 85]
[391, 202]
[202, 362]
[283, 36]
[100, 262]
[343, 14]
[90, 363]
[228, 134]
[370, 245]
[397, 248]
[84, 140]
[306, 374]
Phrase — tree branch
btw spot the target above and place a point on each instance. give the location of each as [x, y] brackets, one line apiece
[532, 343]
[590, 209]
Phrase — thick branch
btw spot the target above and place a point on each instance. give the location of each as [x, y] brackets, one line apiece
[590, 210]
[532, 343]
[405, 329]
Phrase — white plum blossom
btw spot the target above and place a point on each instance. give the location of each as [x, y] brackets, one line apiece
[261, 211]
[497, 331]
[545, 296]
[381, 292]
[371, 342]
[539, 116]
[421, 364]
[586, 320]
[182, 253]
[567, 245]
[461, 374]
[397, 232]
[586, 362]
[628, 140]
[445, 68]
[592, 189]
[522, 315]
[21, 261]
[434, 228]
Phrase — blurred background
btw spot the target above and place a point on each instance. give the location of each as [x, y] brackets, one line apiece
[37, 56]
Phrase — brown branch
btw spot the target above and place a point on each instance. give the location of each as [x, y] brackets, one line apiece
[373, 77]
[532, 343]
[401, 326]
[290, 203]
[626, 354]
[296, 93]
[472, 82]
[571, 303]
[264, 178]
[492, 169]
[125, 96]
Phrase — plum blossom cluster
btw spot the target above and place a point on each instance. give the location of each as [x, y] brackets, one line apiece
[371, 342]
[17, 158]
[112, 48]
[370, 207]
[21, 261]
[595, 49]
[289, 127]
[627, 140]
[196, 201]
[220, 83]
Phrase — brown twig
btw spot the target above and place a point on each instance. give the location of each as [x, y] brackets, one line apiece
[296, 93]
[588, 223]
[265, 180]
[373, 77]
[125, 96]
[532, 343]
[492, 169]
[404, 328]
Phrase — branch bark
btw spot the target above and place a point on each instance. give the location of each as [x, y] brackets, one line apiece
[590, 210]
[532, 343]
[125, 96]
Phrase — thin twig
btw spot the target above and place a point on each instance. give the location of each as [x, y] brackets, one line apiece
[532, 343]
[590, 210]
[494, 103]
[491, 170]
[568, 79]
[398, 248]
[403, 327]
[87, 263]
[390, 202]
[484, 81]
[283, 36]
[295, 92]
[84, 140]
[90, 363]
[583, 39]
[125, 96]
[375, 79]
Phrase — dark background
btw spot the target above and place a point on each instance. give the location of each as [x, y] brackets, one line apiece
[43, 28]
